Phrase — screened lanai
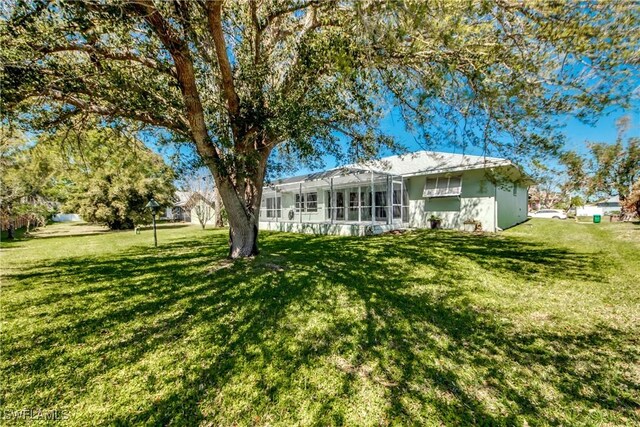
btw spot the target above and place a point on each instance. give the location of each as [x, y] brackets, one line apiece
[344, 196]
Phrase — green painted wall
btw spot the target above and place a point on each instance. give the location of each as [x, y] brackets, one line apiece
[512, 206]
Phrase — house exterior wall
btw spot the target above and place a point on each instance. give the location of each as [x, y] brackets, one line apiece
[291, 214]
[494, 206]
[609, 207]
[476, 202]
[512, 205]
[335, 229]
[194, 214]
[288, 200]
[589, 210]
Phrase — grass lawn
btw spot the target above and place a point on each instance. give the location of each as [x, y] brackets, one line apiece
[534, 326]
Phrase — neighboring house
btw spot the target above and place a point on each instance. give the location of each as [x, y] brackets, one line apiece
[603, 207]
[588, 210]
[179, 211]
[203, 210]
[189, 206]
[399, 192]
[610, 205]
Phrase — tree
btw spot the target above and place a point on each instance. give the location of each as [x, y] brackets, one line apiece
[104, 174]
[240, 80]
[549, 190]
[220, 213]
[35, 211]
[631, 204]
[609, 169]
[27, 172]
[111, 176]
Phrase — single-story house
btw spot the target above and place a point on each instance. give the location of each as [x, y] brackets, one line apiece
[179, 211]
[190, 206]
[398, 192]
[610, 205]
[604, 207]
[588, 210]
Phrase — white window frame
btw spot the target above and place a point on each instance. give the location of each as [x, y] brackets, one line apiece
[302, 204]
[274, 211]
[308, 203]
[299, 202]
[448, 191]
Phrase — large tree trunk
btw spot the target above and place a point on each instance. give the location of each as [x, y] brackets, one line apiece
[243, 236]
[243, 221]
[241, 193]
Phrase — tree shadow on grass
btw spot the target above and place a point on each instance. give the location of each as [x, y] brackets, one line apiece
[316, 331]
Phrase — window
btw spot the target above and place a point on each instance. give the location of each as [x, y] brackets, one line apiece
[443, 186]
[339, 206]
[307, 202]
[397, 201]
[365, 205]
[312, 202]
[353, 200]
[354, 205]
[299, 202]
[515, 189]
[483, 186]
[274, 207]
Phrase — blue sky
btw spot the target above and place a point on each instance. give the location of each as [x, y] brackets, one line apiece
[577, 134]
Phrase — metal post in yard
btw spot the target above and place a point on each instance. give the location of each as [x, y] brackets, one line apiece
[359, 204]
[300, 198]
[153, 205]
[331, 200]
[155, 235]
[373, 202]
[389, 199]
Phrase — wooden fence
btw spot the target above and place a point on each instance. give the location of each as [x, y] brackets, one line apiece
[17, 222]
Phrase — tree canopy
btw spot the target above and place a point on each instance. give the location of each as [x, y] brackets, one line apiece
[25, 181]
[104, 175]
[238, 80]
[112, 176]
[609, 169]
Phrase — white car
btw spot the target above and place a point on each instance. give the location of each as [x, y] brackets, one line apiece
[549, 213]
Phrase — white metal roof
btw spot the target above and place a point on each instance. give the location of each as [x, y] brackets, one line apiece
[180, 198]
[613, 199]
[411, 164]
[431, 162]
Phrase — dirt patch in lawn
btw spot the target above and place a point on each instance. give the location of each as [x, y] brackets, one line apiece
[69, 229]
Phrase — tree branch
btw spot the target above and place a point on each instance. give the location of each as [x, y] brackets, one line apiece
[258, 31]
[114, 111]
[214, 18]
[186, 77]
[126, 55]
[278, 13]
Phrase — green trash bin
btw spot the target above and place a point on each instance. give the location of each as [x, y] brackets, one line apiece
[597, 218]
